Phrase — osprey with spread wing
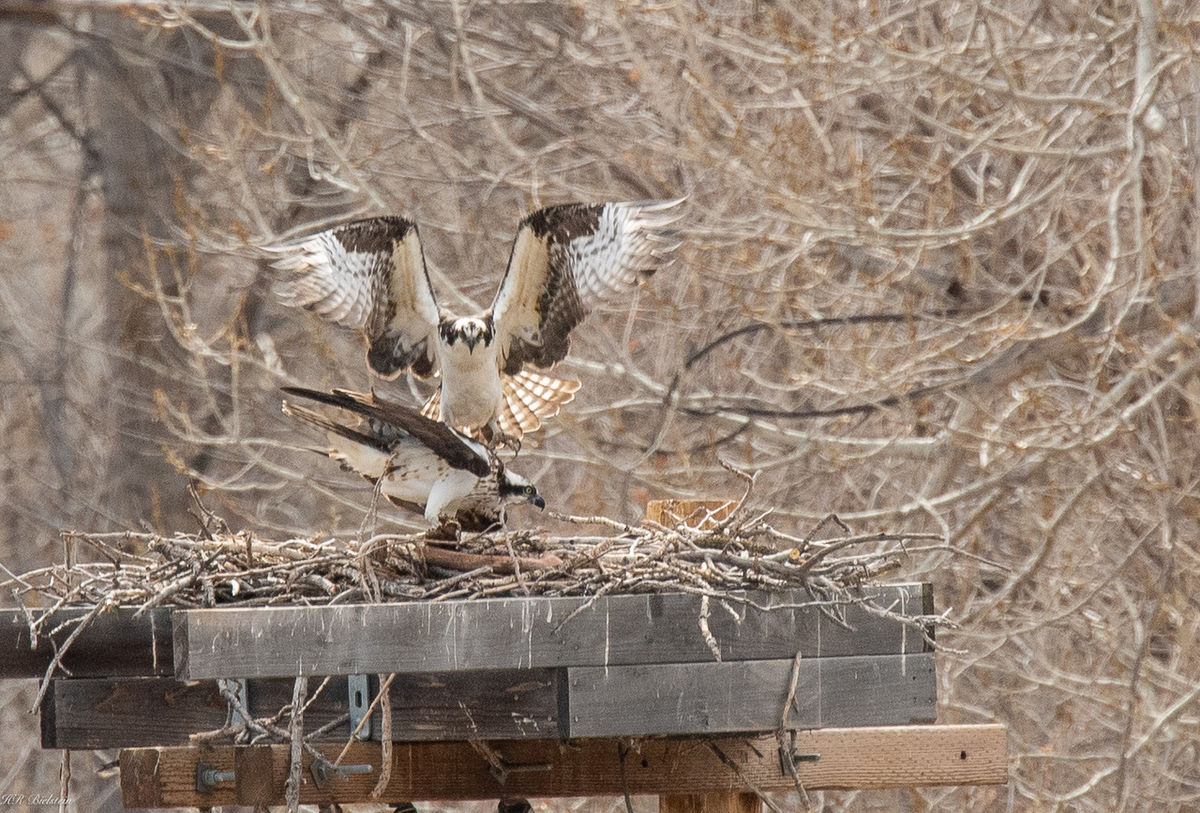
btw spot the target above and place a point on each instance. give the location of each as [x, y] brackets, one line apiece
[417, 463]
[566, 260]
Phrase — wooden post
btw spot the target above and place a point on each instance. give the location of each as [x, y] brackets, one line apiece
[701, 514]
[710, 803]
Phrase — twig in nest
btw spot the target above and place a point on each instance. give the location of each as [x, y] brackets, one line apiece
[592, 520]
[461, 560]
[385, 735]
[59, 651]
[827, 519]
[490, 755]
[371, 517]
[705, 632]
[785, 752]
[207, 519]
[750, 480]
[608, 588]
[791, 692]
[516, 565]
[384, 687]
[291, 790]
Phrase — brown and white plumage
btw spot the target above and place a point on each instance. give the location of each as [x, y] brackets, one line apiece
[565, 261]
[420, 464]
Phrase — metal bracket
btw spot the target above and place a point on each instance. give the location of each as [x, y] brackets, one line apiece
[358, 691]
[788, 758]
[238, 687]
[323, 771]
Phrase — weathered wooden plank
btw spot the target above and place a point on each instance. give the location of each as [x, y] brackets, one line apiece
[848, 758]
[111, 713]
[514, 704]
[106, 713]
[710, 698]
[114, 643]
[531, 633]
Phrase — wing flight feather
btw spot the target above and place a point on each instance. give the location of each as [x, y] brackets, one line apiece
[566, 260]
[368, 275]
[442, 440]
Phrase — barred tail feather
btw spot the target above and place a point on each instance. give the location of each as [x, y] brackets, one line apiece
[530, 398]
[433, 405]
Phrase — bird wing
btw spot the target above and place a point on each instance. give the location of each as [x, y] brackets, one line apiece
[402, 468]
[368, 275]
[457, 450]
[565, 261]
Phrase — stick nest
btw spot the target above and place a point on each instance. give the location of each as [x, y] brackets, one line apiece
[220, 567]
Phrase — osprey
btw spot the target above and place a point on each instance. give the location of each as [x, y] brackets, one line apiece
[418, 463]
[565, 261]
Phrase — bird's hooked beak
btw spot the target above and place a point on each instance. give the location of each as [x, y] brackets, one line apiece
[475, 333]
[539, 502]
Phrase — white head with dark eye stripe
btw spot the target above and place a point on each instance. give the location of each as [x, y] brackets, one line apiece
[514, 489]
[470, 330]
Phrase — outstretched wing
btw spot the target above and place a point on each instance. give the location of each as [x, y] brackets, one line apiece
[386, 418]
[565, 261]
[369, 275]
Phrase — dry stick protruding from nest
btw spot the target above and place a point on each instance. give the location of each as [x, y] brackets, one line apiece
[591, 520]
[785, 753]
[705, 632]
[385, 736]
[291, 790]
[750, 480]
[59, 651]
[461, 560]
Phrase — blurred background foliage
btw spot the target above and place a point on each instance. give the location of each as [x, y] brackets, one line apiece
[1007, 191]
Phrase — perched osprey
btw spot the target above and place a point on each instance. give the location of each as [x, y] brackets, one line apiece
[425, 466]
[370, 274]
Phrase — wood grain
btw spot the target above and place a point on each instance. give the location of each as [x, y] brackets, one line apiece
[713, 698]
[848, 758]
[113, 643]
[533, 632]
[119, 713]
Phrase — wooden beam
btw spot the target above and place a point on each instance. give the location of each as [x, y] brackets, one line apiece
[108, 713]
[620, 701]
[713, 698]
[531, 633]
[834, 758]
[114, 643]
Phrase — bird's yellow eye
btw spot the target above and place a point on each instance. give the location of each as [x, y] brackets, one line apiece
[528, 489]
